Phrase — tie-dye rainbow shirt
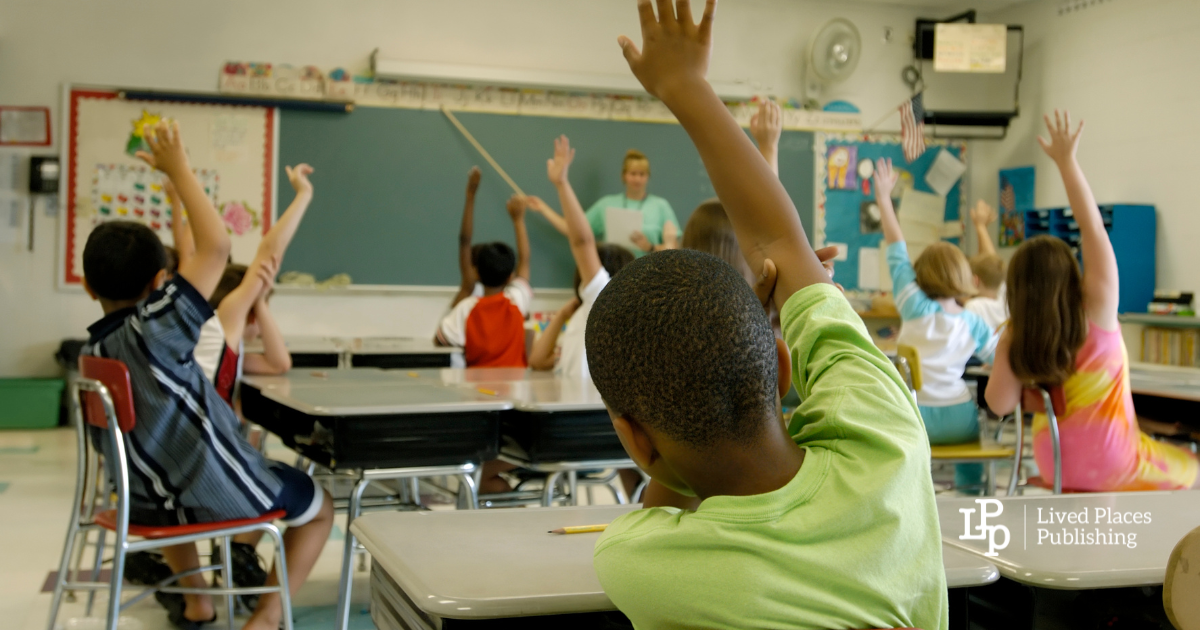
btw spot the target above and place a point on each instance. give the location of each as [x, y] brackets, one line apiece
[1102, 447]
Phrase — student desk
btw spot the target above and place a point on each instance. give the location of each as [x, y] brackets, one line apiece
[373, 418]
[378, 352]
[380, 425]
[399, 353]
[1145, 379]
[431, 567]
[1078, 567]
[557, 425]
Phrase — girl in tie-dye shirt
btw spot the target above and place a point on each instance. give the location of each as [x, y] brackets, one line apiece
[1064, 335]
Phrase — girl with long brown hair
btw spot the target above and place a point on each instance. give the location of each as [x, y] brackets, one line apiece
[1064, 335]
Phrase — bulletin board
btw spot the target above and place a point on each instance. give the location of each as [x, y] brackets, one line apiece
[838, 209]
[232, 150]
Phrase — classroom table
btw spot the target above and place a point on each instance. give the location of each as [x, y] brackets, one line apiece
[380, 425]
[1075, 566]
[557, 426]
[429, 567]
[374, 418]
[398, 353]
[378, 352]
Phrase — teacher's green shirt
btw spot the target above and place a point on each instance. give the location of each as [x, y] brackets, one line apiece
[656, 214]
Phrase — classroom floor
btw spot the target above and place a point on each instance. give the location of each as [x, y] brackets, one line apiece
[37, 478]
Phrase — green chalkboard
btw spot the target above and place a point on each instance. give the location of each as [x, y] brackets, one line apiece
[389, 186]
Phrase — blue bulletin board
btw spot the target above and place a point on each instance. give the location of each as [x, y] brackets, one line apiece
[837, 207]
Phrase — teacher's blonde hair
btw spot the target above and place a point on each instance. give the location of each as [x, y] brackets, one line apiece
[633, 156]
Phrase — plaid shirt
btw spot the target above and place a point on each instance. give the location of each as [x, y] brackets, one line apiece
[188, 463]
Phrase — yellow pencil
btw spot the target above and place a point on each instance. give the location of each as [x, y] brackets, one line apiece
[489, 392]
[579, 529]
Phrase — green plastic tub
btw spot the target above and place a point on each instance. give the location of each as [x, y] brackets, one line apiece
[30, 403]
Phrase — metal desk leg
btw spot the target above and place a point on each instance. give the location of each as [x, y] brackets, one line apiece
[466, 487]
[573, 486]
[548, 491]
[346, 583]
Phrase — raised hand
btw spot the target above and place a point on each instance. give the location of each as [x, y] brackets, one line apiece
[641, 241]
[266, 271]
[516, 207]
[1062, 144]
[537, 205]
[764, 286]
[885, 178]
[167, 153]
[675, 49]
[473, 178]
[298, 176]
[766, 125]
[982, 214]
[558, 166]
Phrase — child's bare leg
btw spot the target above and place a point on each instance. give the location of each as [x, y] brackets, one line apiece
[490, 481]
[302, 546]
[185, 558]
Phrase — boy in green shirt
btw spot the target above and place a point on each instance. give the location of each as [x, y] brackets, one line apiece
[829, 523]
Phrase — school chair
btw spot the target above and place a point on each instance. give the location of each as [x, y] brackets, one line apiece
[105, 401]
[1182, 583]
[1040, 399]
[908, 363]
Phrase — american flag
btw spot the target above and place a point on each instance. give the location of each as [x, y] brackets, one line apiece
[912, 127]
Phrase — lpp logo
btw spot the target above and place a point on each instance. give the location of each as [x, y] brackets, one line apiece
[985, 531]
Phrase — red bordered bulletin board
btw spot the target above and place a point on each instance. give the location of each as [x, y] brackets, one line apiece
[232, 148]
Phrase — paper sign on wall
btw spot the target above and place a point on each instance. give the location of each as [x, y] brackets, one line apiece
[970, 48]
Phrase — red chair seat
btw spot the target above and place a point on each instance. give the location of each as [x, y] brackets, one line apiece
[1042, 483]
[108, 520]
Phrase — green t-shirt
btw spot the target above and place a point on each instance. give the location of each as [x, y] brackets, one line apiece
[656, 214]
[851, 542]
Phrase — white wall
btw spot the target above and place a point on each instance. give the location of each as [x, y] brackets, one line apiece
[181, 45]
[1127, 67]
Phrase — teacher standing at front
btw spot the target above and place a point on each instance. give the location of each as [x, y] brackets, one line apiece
[660, 228]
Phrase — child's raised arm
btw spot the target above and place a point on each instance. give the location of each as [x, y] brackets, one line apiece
[185, 246]
[579, 231]
[275, 357]
[766, 125]
[672, 67]
[541, 357]
[516, 211]
[277, 239]
[541, 207]
[982, 215]
[465, 233]
[885, 182]
[1101, 286]
[203, 271]
[236, 307]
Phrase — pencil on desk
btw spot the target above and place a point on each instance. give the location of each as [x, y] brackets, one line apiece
[579, 529]
[489, 392]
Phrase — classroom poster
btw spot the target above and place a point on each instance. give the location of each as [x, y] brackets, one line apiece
[1016, 197]
[849, 215]
[231, 149]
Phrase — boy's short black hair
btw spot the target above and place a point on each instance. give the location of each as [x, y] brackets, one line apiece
[679, 342]
[494, 262]
[121, 259]
[230, 279]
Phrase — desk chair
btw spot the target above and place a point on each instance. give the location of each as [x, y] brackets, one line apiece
[1046, 402]
[105, 401]
[908, 363]
[1182, 584]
